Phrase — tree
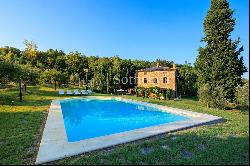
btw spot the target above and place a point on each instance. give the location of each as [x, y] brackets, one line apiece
[76, 63]
[10, 54]
[74, 79]
[53, 76]
[212, 97]
[164, 63]
[26, 76]
[186, 80]
[9, 72]
[218, 63]
[54, 59]
[101, 74]
[31, 52]
[99, 82]
[29, 75]
[242, 95]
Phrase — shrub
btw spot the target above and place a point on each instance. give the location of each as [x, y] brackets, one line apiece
[142, 92]
[242, 96]
[218, 98]
[162, 96]
[212, 97]
[137, 91]
[168, 94]
[204, 94]
[156, 91]
[146, 93]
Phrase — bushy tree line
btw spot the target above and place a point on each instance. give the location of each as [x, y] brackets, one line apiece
[217, 75]
[104, 74]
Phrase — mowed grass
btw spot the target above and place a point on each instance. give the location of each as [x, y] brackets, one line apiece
[223, 143]
[20, 123]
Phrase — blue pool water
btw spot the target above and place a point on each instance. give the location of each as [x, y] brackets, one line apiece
[89, 118]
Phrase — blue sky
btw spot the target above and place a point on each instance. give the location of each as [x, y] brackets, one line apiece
[135, 29]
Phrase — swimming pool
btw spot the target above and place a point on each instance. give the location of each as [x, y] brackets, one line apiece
[90, 118]
[78, 125]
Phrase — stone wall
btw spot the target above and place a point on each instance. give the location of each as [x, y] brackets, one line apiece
[170, 74]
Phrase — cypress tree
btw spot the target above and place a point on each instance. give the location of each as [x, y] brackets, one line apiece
[219, 62]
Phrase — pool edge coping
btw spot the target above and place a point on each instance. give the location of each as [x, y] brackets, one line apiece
[54, 144]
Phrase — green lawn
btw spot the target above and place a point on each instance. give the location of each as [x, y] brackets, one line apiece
[224, 143]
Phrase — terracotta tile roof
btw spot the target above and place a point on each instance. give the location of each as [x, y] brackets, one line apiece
[155, 69]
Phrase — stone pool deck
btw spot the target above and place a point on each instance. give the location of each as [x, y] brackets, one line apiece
[54, 144]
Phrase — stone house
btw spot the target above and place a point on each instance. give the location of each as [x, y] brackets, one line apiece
[162, 77]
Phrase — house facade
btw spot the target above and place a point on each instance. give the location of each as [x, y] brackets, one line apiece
[162, 77]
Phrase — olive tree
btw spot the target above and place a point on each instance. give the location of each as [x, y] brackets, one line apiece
[53, 76]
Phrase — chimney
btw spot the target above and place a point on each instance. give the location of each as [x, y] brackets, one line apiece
[174, 66]
[158, 64]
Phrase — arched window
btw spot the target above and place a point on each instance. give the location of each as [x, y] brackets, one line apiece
[145, 80]
[155, 80]
[165, 80]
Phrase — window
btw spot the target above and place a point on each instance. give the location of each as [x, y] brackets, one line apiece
[155, 80]
[165, 80]
[145, 80]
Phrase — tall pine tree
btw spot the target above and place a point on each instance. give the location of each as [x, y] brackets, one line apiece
[219, 63]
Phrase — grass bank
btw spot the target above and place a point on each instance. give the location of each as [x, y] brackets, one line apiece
[224, 143]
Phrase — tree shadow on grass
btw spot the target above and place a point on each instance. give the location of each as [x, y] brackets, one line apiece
[204, 147]
[20, 136]
[14, 101]
[190, 149]
[32, 97]
[193, 98]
